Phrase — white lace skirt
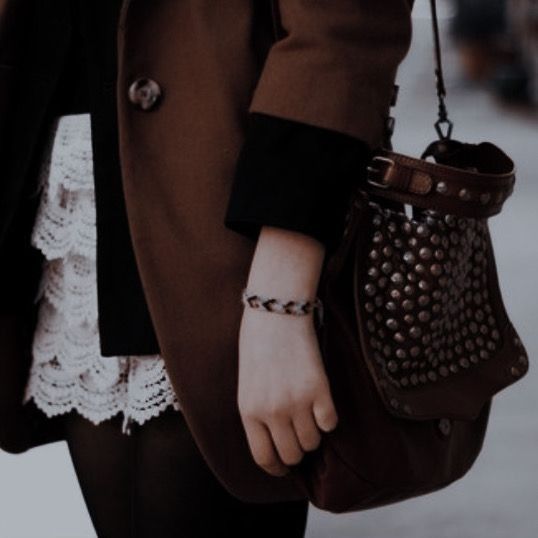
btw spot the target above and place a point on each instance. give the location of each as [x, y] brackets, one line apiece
[68, 371]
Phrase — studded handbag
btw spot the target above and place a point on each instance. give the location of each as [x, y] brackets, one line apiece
[416, 340]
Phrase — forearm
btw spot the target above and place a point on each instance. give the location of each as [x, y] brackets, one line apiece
[286, 264]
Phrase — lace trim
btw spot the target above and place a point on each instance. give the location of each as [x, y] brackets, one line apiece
[68, 371]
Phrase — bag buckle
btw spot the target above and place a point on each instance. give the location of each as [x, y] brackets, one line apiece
[371, 169]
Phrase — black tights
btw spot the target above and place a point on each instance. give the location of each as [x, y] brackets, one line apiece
[155, 483]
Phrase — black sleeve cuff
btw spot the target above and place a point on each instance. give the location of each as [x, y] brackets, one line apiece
[295, 176]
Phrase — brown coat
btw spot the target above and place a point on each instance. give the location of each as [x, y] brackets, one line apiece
[333, 66]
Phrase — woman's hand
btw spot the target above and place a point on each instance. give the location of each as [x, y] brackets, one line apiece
[283, 394]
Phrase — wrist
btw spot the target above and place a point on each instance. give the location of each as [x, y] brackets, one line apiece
[286, 264]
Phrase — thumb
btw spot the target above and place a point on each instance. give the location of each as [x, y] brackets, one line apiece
[325, 411]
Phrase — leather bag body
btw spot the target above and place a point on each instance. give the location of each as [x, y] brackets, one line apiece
[416, 340]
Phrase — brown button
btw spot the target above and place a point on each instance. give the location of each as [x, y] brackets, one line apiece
[144, 93]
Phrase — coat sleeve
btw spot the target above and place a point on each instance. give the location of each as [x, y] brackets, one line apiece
[319, 107]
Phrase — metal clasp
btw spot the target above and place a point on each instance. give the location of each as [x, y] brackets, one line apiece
[370, 169]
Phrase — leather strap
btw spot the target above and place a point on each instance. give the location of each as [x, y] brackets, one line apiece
[472, 180]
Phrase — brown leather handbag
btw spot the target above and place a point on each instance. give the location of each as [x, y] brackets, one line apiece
[415, 337]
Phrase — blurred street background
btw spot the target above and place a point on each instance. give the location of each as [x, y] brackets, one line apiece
[491, 63]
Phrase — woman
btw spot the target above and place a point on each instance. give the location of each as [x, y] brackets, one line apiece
[221, 160]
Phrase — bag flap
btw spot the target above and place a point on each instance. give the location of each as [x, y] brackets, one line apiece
[434, 331]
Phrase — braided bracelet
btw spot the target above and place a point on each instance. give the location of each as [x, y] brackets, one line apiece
[270, 304]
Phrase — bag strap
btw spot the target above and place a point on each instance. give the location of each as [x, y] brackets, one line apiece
[440, 78]
[444, 126]
[474, 180]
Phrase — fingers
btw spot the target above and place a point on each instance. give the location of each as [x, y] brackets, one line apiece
[262, 448]
[307, 430]
[282, 443]
[286, 442]
[325, 412]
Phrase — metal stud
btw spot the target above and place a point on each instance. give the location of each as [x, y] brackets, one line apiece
[399, 337]
[415, 332]
[423, 300]
[392, 366]
[386, 267]
[409, 289]
[392, 324]
[408, 305]
[422, 230]
[370, 289]
[395, 294]
[436, 269]
[424, 316]
[378, 237]
[441, 187]
[435, 239]
[432, 376]
[464, 195]
[409, 257]
[423, 285]
[397, 278]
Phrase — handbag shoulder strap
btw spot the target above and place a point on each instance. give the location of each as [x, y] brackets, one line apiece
[444, 126]
[440, 78]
